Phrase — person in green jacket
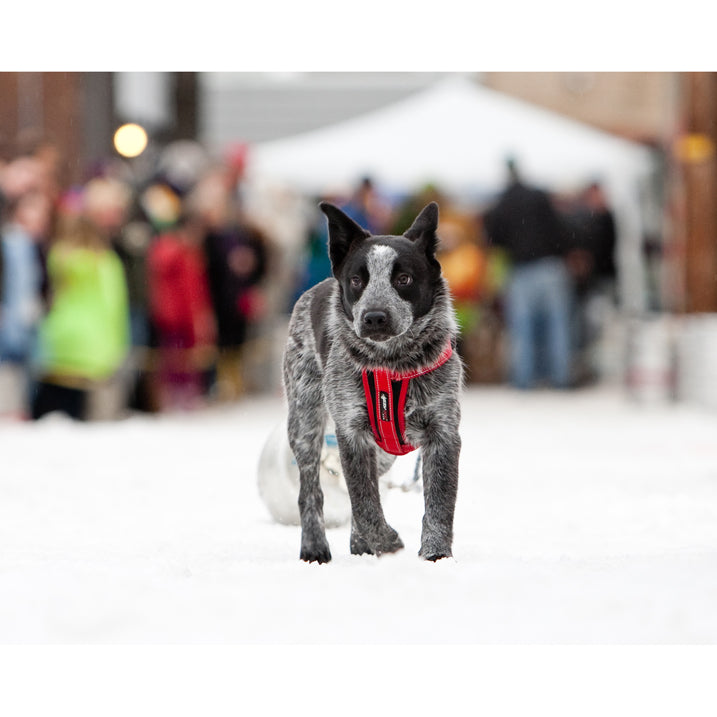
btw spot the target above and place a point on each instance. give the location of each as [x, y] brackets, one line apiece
[84, 338]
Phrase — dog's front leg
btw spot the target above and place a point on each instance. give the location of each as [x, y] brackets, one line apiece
[440, 452]
[306, 436]
[370, 533]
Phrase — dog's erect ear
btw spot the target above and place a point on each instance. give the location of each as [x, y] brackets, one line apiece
[343, 232]
[423, 229]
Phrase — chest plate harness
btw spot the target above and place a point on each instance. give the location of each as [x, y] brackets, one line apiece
[386, 392]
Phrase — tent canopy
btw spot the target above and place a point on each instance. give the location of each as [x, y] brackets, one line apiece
[457, 135]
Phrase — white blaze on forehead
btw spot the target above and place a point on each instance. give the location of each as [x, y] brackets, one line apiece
[379, 262]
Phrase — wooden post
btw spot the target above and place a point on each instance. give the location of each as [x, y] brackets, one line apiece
[698, 158]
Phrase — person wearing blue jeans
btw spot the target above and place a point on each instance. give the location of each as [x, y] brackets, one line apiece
[538, 310]
[538, 295]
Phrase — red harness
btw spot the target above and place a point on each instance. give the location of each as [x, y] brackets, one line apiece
[386, 402]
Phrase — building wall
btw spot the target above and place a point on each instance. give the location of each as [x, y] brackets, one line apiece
[636, 105]
[69, 109]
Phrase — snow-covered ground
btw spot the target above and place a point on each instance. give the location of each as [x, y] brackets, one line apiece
[581, 518]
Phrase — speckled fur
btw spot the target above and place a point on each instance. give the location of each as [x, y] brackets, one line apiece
[323, 363]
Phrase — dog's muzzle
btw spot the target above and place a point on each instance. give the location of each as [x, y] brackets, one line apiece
[376, 325]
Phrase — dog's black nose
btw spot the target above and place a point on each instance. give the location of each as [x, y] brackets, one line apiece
[375, 320]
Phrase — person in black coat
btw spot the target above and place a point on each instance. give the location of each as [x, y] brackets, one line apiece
[593, 239]
[538, 293]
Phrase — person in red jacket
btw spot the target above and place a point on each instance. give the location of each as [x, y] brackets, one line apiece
[181, 313]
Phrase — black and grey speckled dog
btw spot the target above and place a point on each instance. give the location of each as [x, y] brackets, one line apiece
[387, 309]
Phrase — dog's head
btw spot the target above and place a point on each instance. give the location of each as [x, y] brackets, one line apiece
[387, 282]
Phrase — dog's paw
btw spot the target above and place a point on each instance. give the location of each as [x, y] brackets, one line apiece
[435, 549]
[359, 546]
[315, 553]
[375, 542]
[389, 542]
[433, 556]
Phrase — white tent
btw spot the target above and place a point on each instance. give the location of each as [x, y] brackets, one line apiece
[457, 135]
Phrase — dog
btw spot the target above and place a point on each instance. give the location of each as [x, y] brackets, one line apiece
[374, 348]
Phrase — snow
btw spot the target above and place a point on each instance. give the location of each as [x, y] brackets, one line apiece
[582, 518]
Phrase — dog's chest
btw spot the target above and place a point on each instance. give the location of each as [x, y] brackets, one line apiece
[388, 410]
[386, 398]
[371, 403]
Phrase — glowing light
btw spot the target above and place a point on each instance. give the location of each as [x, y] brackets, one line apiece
[130, 140]
[694, 148]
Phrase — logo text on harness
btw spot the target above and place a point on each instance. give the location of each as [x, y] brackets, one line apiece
[383, 406]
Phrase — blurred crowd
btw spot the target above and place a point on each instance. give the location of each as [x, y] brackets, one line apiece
[121, 295]
[144, 294]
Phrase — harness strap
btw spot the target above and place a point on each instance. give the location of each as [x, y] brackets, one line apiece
[386, 393]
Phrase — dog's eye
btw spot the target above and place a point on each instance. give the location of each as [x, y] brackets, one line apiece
[404, 280]
[356, 282]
